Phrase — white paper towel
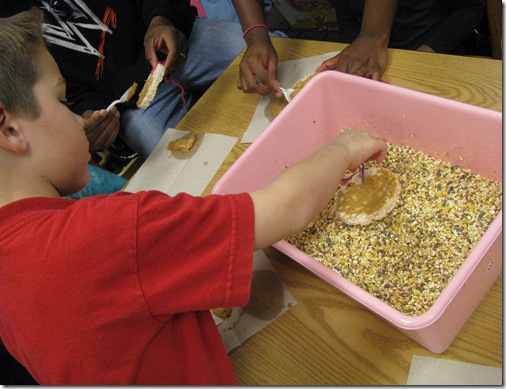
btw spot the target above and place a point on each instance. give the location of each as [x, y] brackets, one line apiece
[438, 371]
[289, 72]
[189, 173]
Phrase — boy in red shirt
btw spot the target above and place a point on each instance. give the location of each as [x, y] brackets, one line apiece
[116, 289]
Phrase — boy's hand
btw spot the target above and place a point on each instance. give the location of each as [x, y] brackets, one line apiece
[361, 146]
[101, 127]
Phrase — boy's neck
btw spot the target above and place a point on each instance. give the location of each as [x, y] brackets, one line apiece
[18, 187]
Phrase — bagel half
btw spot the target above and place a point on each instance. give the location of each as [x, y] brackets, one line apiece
[148, 92]
[297, 87]
[360, 203]
[275, 106]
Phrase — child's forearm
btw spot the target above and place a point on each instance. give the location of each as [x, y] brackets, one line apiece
[250, 12]
[297, 195]
[378, 19]
[252, 18]
[303, 190]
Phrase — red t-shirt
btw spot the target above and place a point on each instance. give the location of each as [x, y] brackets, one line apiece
[117, 289]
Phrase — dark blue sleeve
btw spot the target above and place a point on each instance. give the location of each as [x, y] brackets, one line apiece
[460, 23]
[179, 12]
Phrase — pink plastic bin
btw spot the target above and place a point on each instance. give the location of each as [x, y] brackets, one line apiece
[462, 134]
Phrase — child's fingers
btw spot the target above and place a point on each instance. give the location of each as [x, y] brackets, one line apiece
[362, 146]
[329, 64]
[380, 155]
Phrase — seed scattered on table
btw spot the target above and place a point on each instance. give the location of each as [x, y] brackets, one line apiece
[407, 258]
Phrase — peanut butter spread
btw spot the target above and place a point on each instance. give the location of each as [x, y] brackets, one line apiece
[297, 87]
[277, 105]
[183, 144]
[379, 188]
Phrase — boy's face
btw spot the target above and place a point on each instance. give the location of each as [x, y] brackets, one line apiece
[57, 140]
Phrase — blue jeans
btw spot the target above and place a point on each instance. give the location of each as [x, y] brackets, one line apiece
[214, 44]
[224, 9]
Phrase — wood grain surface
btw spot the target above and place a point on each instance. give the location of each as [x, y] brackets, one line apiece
[328, 338]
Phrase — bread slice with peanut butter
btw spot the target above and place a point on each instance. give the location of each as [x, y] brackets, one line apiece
[362, 203]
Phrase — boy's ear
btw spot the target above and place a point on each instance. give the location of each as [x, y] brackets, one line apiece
[11, 138]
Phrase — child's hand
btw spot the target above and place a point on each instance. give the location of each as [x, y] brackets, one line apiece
[101, 127]
[364, 58]
[361, 146]
[258, 67]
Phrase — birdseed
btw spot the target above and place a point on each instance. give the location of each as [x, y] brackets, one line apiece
[407, 258]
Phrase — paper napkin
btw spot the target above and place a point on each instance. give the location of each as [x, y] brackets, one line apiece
[289, 72]
[175, 172]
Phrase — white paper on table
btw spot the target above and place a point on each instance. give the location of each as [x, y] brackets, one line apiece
[190, 173]
[289, 72]
[438, 371]
[269, 299]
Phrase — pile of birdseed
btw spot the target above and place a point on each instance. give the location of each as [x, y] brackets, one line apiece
[407, 258]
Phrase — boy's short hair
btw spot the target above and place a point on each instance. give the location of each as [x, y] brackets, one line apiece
[20, 41]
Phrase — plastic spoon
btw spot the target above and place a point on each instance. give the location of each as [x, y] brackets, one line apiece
[125, 97]
[287, 92]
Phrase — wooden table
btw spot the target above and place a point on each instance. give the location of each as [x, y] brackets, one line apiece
[328, 338]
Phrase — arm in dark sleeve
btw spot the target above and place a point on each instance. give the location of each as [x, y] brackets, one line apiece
[348, 19]
[453, 32]
[180, 13]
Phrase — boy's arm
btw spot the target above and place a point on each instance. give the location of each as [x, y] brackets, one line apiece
[259, 65]
[303, 190]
